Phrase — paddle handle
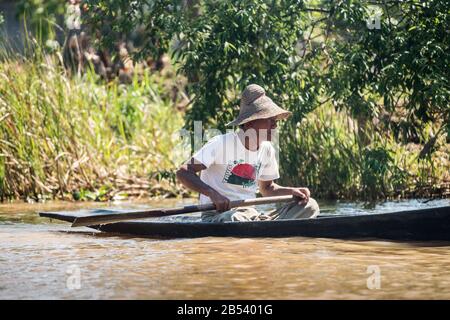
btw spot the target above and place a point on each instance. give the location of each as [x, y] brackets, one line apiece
[116, 217]
[233, 204]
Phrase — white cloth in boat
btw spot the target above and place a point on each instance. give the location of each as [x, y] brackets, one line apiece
[291, 210]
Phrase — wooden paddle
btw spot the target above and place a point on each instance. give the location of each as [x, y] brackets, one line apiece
[155, 213]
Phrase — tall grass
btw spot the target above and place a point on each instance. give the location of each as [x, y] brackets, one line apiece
[63, 136]
[80, 138]
[330, 153]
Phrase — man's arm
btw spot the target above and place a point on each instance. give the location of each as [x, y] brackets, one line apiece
[271, 189]
[187, 176]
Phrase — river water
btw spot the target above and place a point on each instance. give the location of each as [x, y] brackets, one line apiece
[43, 259]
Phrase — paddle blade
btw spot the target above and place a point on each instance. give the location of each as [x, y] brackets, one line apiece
[116, 217]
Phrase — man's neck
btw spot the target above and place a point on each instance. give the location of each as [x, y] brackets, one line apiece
[249, 141]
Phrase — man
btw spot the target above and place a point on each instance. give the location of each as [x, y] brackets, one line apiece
[233, 166]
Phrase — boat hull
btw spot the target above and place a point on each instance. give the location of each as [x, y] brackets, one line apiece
[421, 225]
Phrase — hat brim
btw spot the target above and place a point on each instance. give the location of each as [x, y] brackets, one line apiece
[276, 112]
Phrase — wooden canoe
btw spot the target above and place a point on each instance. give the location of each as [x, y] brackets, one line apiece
[422, 225]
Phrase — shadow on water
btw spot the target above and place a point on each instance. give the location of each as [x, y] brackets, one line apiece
[100, 235]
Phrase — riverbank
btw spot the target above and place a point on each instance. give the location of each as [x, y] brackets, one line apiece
[78, 138]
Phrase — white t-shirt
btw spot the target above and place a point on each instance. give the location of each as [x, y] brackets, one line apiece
[233, 170]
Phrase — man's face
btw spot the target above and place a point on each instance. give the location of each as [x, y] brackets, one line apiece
[263, 128]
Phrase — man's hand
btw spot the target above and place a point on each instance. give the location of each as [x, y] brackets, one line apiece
[221, 202]
[302, 194]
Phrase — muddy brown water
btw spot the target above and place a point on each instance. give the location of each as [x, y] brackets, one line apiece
[43, 259]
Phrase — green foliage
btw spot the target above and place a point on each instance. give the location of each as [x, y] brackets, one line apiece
[63, 135]
[306, 53]
[150, 24]
[403, 65]
[41, 16]
[330, 158]
[229, 45]
[235, 43]
[377, 164]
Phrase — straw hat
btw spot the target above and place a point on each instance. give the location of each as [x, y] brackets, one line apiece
[256, 105]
